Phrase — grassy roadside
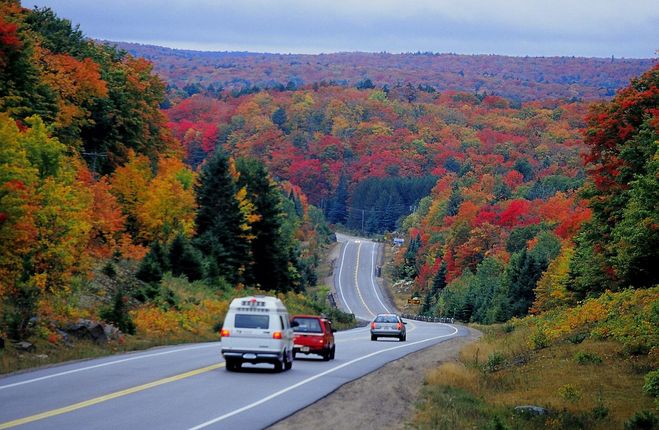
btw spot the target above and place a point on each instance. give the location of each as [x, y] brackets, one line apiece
[182, 312]
[587, 369]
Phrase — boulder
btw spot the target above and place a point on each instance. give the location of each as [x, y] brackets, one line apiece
[530, 410]
[25, 346]
[87, 329]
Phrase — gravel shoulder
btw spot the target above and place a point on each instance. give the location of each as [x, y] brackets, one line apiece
[385, 398]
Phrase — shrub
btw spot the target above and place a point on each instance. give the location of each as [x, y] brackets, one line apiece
[570, 393]
[577, 338]
[495, 361]
[110, 270]
[651, 385]
[539, 339]
[585, 357]
[600, 412]
[118, 315]
[644, 420]
[636, 347]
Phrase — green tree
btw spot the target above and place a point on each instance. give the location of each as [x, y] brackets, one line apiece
[154, 264]
[185, 259]
[270, 248]
[219, 220]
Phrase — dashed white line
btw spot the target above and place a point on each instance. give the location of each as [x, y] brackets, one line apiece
[373, 278]
[313, 378]
[359, 293]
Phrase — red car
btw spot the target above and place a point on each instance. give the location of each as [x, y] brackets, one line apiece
[313, 335]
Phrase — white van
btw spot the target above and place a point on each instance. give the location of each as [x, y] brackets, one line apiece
[257, 330]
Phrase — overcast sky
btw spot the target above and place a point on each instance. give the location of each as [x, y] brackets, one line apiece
[592, 28]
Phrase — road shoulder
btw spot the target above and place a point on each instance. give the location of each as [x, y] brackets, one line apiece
[384, 398]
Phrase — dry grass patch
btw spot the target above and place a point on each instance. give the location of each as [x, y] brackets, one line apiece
[590, 384]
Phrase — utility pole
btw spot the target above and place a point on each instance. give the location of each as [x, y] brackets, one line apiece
[362, 221]
[95, 156]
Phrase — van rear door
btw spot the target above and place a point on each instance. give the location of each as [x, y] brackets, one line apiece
[252, 331]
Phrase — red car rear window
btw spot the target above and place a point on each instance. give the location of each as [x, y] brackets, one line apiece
[307, 325]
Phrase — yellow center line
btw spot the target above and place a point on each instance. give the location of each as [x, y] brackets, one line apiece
[116, 394]
[359, 293]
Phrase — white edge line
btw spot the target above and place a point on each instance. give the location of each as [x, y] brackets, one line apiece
[343, 256]
[320, 375]
[359, 292]
[68, 372]
[373, 279]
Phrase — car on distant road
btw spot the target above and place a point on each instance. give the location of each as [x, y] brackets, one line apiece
[313, 335]
[388, 325]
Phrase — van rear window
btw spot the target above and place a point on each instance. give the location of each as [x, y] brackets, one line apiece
[252, 321]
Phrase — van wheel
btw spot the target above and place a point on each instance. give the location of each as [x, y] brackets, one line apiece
[278, 366]
[288, 363]
[232, 365]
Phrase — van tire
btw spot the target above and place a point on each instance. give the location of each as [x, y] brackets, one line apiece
[233, 365]
[288, 363]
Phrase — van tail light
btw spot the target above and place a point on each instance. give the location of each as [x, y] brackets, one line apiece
[224, 333]
[276, 335]
[400, 326]
[373, 325]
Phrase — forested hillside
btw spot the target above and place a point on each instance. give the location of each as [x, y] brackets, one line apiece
[483, 257]
[100, 217]
[516, 78]
[367, 156]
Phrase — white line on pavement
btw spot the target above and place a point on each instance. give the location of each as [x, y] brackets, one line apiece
[343, 256]
[96, 366]
[313, 378]
[373, 278]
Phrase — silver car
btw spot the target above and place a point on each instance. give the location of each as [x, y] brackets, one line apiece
[388, 325]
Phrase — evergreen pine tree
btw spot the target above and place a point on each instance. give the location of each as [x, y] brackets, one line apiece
[219, 219]
[154, 264]
[338, 211]
[185, 260]
[270, 250]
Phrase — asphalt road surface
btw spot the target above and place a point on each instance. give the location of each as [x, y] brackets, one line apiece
[187, 387]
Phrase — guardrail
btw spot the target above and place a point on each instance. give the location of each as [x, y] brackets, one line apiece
[427, 319]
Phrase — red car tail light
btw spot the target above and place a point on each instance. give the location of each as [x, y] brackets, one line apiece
[372, 325]
[400, 326]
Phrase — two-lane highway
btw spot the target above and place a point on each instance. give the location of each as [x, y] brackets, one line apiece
[187, 386]
[355, 279]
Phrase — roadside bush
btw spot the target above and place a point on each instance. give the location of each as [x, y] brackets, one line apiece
[569, 393]
[118, 315]
[651, 385]
[585, 357]
[110, 270]
[636, 347]
[577, 338]
[495, 361]
[644, 420]
[539, 339]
